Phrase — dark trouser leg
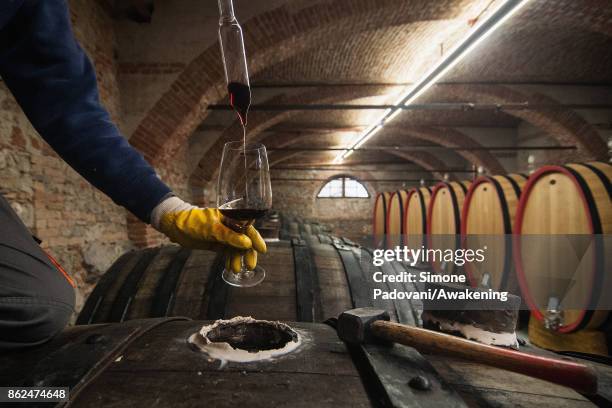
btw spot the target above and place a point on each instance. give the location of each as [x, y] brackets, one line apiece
[36, 300]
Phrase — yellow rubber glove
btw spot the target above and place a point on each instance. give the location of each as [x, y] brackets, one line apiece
[201, 228]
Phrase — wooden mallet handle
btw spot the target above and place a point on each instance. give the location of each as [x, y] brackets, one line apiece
[570, 374]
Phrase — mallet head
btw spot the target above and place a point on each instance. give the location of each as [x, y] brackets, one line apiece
[354, 325]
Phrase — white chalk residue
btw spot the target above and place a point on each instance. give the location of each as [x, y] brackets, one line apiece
[224, 352]
[471, 332]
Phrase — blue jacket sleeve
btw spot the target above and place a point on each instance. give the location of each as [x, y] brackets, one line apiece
[55, 84]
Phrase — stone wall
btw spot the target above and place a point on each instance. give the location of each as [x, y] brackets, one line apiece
[349, 217]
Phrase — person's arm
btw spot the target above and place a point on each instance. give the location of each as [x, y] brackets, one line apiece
[55, 84]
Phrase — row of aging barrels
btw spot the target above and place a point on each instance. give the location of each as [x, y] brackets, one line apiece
[486, 205]
[545, 235]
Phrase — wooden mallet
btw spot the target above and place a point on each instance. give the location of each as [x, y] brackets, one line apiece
[366, 325]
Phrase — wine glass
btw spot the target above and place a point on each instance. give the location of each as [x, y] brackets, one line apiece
[244, 194]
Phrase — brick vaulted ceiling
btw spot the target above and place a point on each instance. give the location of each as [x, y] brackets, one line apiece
[551, 53]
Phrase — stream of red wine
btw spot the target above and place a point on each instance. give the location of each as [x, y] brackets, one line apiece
[240, 100]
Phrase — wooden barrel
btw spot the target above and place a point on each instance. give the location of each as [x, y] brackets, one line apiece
[150, 363]
[304, 282]
[415, 217]
[298, 228]
[444, 220]
[328, 239]
[308, 228]
[269, 226]
[487, 221]
[560, 255]
[289, 227]
[379, 218]
[395, 215]
[147, 363]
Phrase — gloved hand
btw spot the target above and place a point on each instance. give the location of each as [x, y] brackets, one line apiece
[201, 228]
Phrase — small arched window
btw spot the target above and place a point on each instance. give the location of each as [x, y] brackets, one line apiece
[343, 187]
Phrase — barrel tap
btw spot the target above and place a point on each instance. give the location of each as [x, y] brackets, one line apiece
[553, 319]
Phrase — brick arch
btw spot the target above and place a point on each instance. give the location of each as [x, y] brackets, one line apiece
[424, 159]
[281, 157]
[287, 32]
[207, 168]
[450, 137]
[280, 140]
[564, 125]
[595, 17]
[428, 159]
[446, 137]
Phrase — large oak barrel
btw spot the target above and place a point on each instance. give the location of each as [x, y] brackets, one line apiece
[327, 239]
[560, 256]
[270, 226]
[313, 228]
[294, 227]
[444, 220]
[415, 217]
[305, 281]
[487, 221]
[150, 363]
[379, 218]
[395, 215]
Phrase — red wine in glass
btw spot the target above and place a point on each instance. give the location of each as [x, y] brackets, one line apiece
[239, 219]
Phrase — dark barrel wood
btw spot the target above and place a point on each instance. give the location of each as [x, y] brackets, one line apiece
[149, 363]
[294, 227]
[306, 280]
[270, 225]
[146, 363]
